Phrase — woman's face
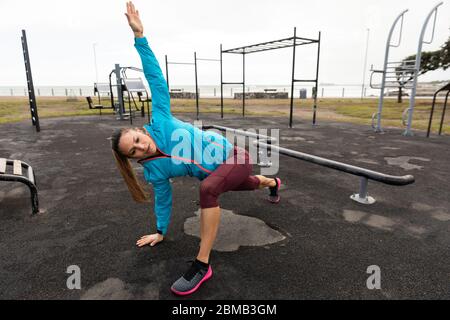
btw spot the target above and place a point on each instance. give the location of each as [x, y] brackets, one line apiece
[137, 144]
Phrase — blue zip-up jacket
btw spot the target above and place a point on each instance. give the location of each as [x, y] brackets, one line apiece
[186, 150]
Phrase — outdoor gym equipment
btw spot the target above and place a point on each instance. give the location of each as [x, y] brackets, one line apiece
[31, 95]
[365, 174]
[124, 84]
[272, 45]
[21, 172]
[99, 89]
[401, 74]
[195, 64]
[443, 89]
[408, 113]
[394, 74]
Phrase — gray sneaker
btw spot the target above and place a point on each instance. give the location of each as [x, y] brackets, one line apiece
[191, 280]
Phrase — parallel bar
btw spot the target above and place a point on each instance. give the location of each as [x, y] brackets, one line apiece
[358, 171]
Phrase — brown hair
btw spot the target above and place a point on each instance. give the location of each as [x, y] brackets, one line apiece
[123, 163]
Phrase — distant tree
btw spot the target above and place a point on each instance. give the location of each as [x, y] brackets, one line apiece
[430, 61]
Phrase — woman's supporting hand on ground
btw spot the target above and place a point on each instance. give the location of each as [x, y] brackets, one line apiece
[150, 239]
[134, 20]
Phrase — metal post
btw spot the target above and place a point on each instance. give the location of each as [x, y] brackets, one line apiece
[119, 90]
[443, 113]
[167, 73]
[431, 113]
[317, 81]
[243, 84]
[221, 84]
[362, 197]
[196, 83]
[365, 64]
[292, 79]
[31, 95]
[412, 99]
[95, 63]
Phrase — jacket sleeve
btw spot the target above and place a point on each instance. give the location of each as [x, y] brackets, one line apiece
[155, 79]
[163, 204]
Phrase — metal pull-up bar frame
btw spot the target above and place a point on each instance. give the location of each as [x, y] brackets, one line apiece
[197, 93]
[272, 45]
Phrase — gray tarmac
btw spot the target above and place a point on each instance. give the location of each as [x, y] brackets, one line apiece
[315, 244]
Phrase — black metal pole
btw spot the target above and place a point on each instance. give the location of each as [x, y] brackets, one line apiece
[119, 91]
[443, 112]
[317, 81]
[111, 91]
[31, 95]
[167, 73]
[196, 83]
[431, 113]
[243, 84]
[221, 83]
[292, 80]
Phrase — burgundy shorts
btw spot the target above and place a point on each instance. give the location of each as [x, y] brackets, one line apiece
[232, 175]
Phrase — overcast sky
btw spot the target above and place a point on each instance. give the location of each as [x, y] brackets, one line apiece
[61, 37]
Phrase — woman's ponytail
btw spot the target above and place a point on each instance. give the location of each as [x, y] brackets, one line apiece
[123, 163]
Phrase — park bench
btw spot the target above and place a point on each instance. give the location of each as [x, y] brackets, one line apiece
[94, 106]
[16, 170]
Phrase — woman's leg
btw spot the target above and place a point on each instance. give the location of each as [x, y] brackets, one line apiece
[209, 224]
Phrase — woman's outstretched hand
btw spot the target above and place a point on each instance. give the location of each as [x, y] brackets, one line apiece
[151, 239]
[134, 20]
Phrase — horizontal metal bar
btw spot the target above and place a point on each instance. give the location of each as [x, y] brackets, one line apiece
[305, 80]
[203, 59]
[257, 44]
[180, 63]
[260, 46]
[232, 83]
[401, 62]
[358, 171]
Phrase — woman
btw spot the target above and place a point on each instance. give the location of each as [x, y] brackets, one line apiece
[156, 146]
